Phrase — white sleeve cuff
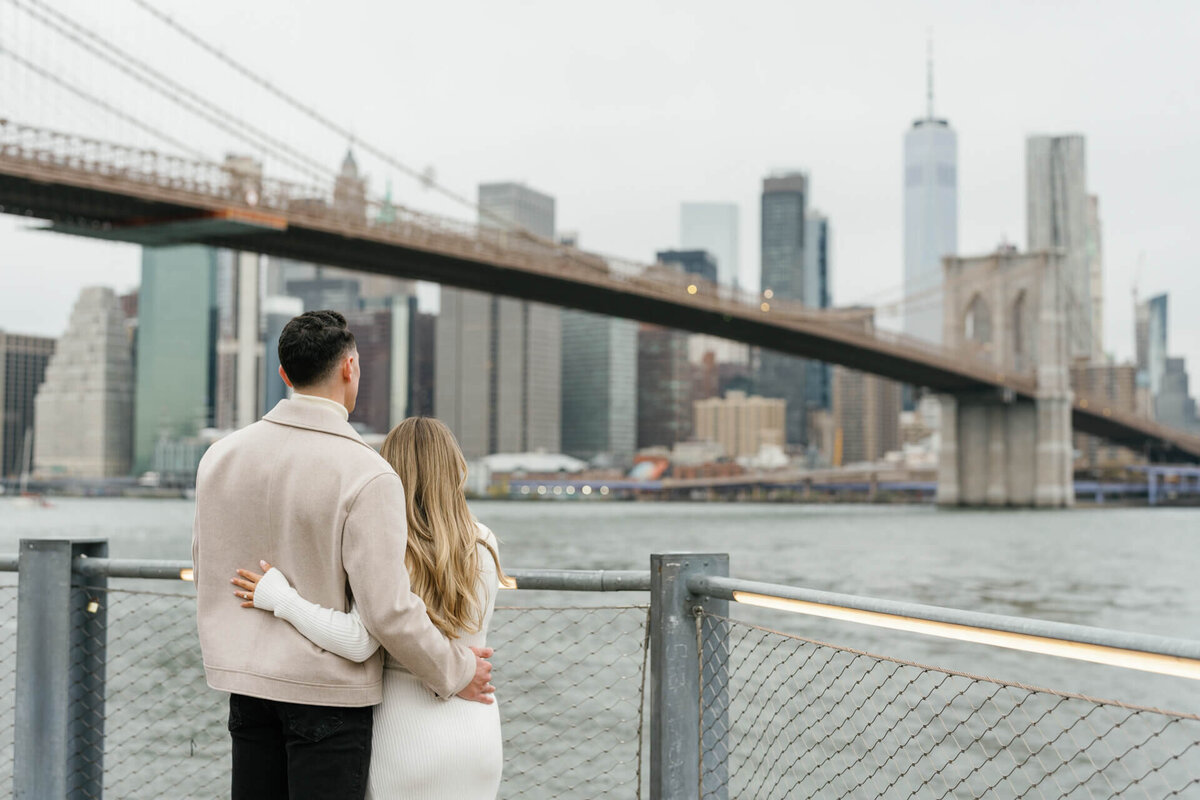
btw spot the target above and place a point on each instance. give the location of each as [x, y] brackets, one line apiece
[272, 591]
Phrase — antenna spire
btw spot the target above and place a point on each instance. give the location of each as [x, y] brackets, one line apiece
[929, 74]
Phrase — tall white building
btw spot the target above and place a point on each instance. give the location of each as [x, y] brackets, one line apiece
[1059, 216]
[930, 217]
[713, 227]
[84, 410]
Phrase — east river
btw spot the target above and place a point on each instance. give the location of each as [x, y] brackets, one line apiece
[1135, 569]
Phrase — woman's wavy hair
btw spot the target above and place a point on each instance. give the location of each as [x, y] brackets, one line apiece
[442, 558]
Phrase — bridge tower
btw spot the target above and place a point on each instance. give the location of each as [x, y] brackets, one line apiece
[1008, 309]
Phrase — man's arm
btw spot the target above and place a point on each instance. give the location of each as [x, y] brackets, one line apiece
[374, 539]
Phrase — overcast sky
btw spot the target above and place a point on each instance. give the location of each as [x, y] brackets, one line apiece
[622, 110]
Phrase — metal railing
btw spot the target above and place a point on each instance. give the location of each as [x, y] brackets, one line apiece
[674, 699]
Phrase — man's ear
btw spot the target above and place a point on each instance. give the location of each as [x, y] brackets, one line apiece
[283, 375]
[348, 369]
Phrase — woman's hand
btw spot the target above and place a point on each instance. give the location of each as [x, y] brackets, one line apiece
[248, 582]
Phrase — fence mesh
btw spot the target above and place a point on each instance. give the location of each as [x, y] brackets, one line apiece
[783, 716]
[790, 717]
[570, 682]
[8, 683]
[163, 729]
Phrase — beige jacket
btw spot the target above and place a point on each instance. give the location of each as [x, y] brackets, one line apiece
[303, 491]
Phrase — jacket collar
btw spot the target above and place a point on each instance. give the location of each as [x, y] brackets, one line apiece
[311, 416]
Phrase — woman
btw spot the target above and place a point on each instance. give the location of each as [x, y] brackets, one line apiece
[423, 747]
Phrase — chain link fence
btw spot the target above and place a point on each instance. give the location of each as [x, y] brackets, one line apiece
[781, 716]
[164, 729]
[789, 717]
[571, 683]
[8, 682]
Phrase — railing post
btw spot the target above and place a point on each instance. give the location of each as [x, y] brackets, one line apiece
[61, 634]
[676, 724]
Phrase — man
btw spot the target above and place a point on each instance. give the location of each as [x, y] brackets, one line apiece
[302, 490]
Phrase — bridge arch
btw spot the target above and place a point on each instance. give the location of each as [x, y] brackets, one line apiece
[977, 324]
[1021, 329]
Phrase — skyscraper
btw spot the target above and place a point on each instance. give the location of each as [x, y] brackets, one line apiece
[174, 396]
[930, 216]
[422, 330]
[599, 387]
[23, 362]
[784, 207]
[373, 337]
[498, 361]
[1057, 218]
[1151, 339]
[817, 293]
[700, 263]
[784, 224]
[866, 416]
[1173, 405]
[84, 409]
[713, 227]
[665, 392]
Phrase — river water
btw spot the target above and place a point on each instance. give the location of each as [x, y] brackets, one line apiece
[1129, 569]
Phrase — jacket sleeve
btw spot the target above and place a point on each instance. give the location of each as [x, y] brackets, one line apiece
[338, 632]
[373, 543]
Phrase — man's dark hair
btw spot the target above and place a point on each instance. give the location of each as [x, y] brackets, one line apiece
[311, 346]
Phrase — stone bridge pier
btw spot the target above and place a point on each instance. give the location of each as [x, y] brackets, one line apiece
[998, 449]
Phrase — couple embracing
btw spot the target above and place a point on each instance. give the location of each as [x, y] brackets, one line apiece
[369, 676]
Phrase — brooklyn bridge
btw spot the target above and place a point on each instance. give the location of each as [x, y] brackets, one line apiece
[1010, 418]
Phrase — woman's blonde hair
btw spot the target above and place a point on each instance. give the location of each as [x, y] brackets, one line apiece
[442, 559]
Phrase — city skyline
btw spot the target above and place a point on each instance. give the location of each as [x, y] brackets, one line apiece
[842, 127]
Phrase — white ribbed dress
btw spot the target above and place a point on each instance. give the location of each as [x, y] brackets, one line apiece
[422, 747]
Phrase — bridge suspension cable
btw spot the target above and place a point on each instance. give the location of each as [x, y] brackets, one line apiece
[102, 104]
[171, 89]
[309, 111]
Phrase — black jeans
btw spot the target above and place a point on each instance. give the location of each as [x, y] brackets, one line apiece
[285, 751]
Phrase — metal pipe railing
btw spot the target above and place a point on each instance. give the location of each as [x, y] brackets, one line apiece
[132, 568]
[562, 580]
[1140, 651]
[582, 580]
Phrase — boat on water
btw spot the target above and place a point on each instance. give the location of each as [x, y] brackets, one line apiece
[28, 500]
